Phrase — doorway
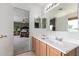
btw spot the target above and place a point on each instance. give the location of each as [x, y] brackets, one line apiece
[21, 31]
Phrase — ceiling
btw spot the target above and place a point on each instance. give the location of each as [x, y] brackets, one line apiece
[42, 5]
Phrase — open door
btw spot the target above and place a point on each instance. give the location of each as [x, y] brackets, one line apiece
[6, 29]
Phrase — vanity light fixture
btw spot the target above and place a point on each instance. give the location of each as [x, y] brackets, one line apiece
[50, 6]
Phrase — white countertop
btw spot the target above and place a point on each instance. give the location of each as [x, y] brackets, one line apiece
[64, 46]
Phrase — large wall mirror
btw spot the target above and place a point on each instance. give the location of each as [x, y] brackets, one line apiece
[64, 17]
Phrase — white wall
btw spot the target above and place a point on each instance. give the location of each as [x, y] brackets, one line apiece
[35, 12]
[6, 28]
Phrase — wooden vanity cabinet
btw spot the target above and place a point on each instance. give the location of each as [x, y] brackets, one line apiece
[52, 51]
[33, 44]
[37, 48]
[42, 50]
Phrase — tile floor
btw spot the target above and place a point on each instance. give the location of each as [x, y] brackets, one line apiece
[30, 53]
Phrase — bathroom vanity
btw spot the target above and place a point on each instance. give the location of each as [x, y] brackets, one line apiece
[44, 47]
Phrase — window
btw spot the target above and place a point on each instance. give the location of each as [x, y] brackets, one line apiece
[73, 25]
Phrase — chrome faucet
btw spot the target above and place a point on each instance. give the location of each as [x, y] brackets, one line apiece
[59, 39]
[44, 37]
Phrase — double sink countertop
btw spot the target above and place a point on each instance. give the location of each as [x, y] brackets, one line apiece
[63, 46]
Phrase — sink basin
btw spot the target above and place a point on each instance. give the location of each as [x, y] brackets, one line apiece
[52, 38]
[55, 39]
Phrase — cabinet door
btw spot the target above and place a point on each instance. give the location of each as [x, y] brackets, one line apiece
[52, 51]
[55, 52]
[33, 44]
[49, 51]
[42, 49]
[37, 47]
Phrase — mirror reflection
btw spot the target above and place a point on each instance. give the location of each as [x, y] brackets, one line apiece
[64, 17]
[40, 22]
[37, 23]
[43, 22]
